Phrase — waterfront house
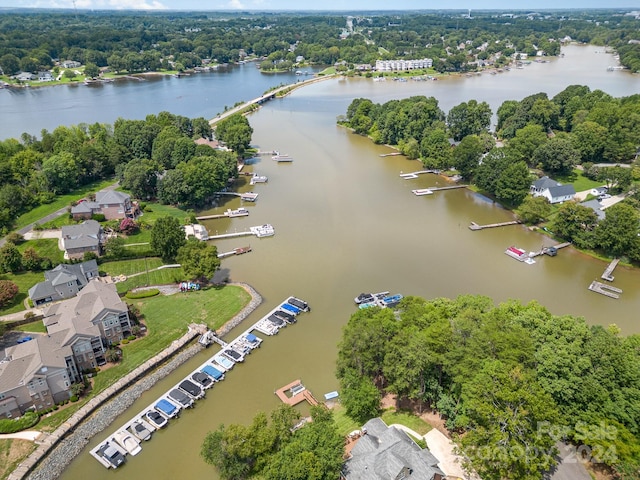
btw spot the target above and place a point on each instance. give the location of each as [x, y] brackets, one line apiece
[76, 240]
[91, 321]
[62, 282]
[70, 64]
[596, 206]
[45, 77]
[35, 375]
[111, 203]
[385, 453]
[24, 77]
[553, 191]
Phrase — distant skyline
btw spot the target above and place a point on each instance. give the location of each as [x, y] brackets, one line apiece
[320, 5]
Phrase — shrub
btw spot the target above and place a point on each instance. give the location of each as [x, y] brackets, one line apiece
[15, 238]
[11, 425]
[74, 398]
[98, 217]
[29, 315]
[125, 341]
[89, 256]
[152, 292]
[147, 209]
[8, 290]
[128, 226]
[131, 338]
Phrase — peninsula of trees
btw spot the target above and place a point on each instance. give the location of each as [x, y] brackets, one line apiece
[538, 135]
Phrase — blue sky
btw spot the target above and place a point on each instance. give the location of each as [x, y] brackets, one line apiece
[320, 5]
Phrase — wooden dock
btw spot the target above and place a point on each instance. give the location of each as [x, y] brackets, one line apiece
[408, 176]
[249, 196]
[210, 217]
[393, 154]
[235, 251]
[450, 187]
[607, 273]
[230, 235]
[298, 392]
[547, 250]
[604, 289]
[474, 226]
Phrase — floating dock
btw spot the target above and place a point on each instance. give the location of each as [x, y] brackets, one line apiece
[244, 344]
[248, 196]
[235, 251]
[604, 289]
[422, 191]
[474, 226]
[551, 251]
[408, 176]
[607, 273]
[258, 179]
[259, 231]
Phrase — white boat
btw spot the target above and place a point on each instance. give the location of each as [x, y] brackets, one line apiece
[238, 212]
[127, 441]
[265, 230]
[282, 157]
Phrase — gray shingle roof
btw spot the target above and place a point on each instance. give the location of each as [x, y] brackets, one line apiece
[111, 197]
[85, 234]
[383, 452]
[561, 191]
[544, 182]
[60, 275]
[84, 207]
[596, 207]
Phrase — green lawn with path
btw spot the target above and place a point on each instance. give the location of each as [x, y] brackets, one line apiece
[408, 419]
[46, 247]
[61, 201]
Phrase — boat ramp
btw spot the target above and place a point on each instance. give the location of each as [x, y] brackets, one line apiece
[124, 441]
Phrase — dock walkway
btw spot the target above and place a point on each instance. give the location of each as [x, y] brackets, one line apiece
[604, 289]
[544, 250]
[474, 226]
[299, 394]
[607, 273]
[408, 176]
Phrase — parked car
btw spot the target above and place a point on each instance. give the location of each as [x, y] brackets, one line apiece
[604, 196]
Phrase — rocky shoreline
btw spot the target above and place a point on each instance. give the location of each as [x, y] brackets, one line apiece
[55, 462]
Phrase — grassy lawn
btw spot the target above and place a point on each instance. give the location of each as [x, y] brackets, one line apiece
[24, 280]
[328, 71]
[165, 276]
[579, 181]
[36, 327]
[128, 267]
[344, 423]
[46, 247]
[153, 211]
[391, 416]
[12, 452]
[59, 222]
[60, 202]
[167, 318]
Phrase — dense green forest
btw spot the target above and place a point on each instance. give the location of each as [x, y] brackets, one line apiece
[137, 42]
[539, 135]
[152, 158]
[511, 380]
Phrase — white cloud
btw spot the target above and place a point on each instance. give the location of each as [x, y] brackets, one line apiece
[236, 4]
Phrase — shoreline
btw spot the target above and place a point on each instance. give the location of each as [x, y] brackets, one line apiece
[61, 447]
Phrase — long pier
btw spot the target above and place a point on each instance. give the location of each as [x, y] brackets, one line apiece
[607, 273]
[604, 289]
[235, 251]
[548, 250]
[231, 235]
[450, 187]
[411, 175]
[474, 226]
[249, 196]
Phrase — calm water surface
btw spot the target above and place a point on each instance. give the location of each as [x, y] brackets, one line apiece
[346, 223]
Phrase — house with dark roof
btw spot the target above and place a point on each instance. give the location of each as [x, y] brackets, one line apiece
[553, 191]
[596, 206]
[64, 281]
[91, 321]
[387, 453]
[36, 375]
[110, 203]
[76, 240]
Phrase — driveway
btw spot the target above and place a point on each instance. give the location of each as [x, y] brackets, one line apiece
[36, 234]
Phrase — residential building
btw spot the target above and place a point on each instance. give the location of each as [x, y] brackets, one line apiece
[553, 191]
[110, 203]
[387, 453]
[36, 375]
[92, 321]
[45, 77]
[596, 206]
[64, 281]
[25, 77]
[70, 64]
[401, 65]
[76, 240]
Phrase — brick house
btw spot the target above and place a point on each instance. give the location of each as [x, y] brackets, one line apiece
[111, 203]
[76, 240]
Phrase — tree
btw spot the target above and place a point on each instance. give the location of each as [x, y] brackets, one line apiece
[8, 291]
[360, 397]
[114, 247]
[113, 355]
[575, 223]
[31, 260]
[616, 178]
[618, 232]
[198, 259]
[513, 184]
[534, 210]
[10, 258]
[589, 138]
[167, 236]
[505, 406]
[61, 172]
[128, 226]
[469, 118]
[91, 70]
[10, 64]
[557, 156]
[467, 155]
[140, 177]
[526, 141]
[235, 132]
[69, 73]
[436, 149]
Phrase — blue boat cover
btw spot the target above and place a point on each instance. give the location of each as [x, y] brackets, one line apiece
[330, 395]
[252, 338]
[166, 406]
[291, 308]
[212, 372]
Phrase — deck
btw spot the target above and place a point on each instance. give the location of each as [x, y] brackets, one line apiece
[301, 394]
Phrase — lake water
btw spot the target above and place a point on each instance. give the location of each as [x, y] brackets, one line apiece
[347, 223]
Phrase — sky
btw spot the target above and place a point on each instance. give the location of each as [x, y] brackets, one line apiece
[321, 4]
